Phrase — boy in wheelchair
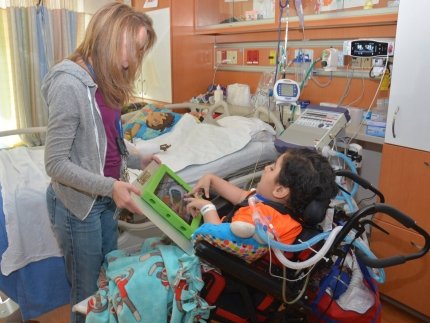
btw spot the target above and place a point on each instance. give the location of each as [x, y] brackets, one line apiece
[294, 191]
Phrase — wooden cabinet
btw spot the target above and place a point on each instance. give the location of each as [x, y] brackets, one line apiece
[243, 16]
[407, 283]
[405, 182]
[405, 166]
[233, 15]
[409, 108]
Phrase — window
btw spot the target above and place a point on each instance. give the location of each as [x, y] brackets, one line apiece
[29, 45]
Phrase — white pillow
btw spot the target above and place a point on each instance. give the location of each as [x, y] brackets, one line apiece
[253, 126]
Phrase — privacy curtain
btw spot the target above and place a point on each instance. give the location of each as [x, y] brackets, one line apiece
[35, 36]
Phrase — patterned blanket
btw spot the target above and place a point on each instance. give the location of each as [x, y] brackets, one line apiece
[159, 284]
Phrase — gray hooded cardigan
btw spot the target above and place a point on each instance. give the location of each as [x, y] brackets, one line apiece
[75, 148]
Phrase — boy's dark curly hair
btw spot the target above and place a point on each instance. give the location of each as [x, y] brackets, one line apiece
[312, 184]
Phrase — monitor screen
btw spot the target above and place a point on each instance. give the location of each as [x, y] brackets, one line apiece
[286, 90]
[172, 194]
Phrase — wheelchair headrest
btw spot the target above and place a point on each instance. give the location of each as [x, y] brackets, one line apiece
[315, 212]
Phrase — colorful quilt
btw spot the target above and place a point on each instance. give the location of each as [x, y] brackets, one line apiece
[159, 284]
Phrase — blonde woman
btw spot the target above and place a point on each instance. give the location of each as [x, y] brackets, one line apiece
[85, 155]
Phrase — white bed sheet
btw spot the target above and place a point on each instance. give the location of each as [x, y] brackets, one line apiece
[193, 143]
[254, 153]
[24, 182]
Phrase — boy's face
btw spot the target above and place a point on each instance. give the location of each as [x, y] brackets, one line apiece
[269, 178]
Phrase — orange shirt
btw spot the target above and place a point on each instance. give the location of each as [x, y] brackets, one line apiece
[286, 228]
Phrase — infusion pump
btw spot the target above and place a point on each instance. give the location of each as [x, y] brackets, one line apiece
[286, 91]
[316, 127]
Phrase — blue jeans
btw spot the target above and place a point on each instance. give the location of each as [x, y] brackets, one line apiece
[84, 243]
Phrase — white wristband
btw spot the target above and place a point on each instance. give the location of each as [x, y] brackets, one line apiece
[206, 208]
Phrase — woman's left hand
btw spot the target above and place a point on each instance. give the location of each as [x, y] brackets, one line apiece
[145, 160]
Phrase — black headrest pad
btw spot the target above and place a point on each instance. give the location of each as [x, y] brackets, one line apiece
[315, 212]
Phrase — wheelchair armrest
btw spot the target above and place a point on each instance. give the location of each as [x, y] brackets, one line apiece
[397, 215]
[239, 269]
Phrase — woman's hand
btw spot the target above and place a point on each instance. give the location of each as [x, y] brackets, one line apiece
[146, 159]
[121, 194]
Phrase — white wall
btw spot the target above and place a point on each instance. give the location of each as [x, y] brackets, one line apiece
[91, 6]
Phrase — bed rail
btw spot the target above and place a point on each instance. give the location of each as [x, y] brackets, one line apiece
[228, 110]
[23, 131]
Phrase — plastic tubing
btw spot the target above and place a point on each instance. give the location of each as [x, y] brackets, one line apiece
[308, 72]
[326, 151]
[262, 226]
[348, 199]
[261, 221]
[352, 168]
[291, 247]
[380, 277]
[314, 259]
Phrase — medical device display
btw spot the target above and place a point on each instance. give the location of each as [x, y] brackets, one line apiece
[368, 48]
[286, 91]
[164, 191]
[316, 127]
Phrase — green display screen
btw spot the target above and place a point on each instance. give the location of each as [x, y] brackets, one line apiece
[164, 192]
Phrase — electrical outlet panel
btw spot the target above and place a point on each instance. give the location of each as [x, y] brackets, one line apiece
[252, 57]
[306, 53]
[355, 62]
[272, 57]
[220, 56]
[340, 59]
[226, 57]
[366, 62]
[231, 57]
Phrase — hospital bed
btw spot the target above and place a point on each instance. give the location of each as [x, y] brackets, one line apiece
[37, 281]
[32, 269]
[233, 147]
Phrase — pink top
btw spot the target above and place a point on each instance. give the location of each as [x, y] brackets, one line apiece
[110, 118]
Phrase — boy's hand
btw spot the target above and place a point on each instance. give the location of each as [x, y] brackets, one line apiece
[202, 187]
[195, 204]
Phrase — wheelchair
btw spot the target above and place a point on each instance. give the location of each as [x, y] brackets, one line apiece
[268, 291]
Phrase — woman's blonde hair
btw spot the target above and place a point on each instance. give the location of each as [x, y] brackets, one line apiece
[103, 42]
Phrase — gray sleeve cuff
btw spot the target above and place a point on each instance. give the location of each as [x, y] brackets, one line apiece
[133, 161]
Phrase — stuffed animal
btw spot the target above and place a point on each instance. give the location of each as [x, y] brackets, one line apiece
[221, 236]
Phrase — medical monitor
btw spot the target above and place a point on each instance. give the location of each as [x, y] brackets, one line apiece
[164, 191]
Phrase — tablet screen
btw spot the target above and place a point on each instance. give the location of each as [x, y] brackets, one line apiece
[172, 194]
